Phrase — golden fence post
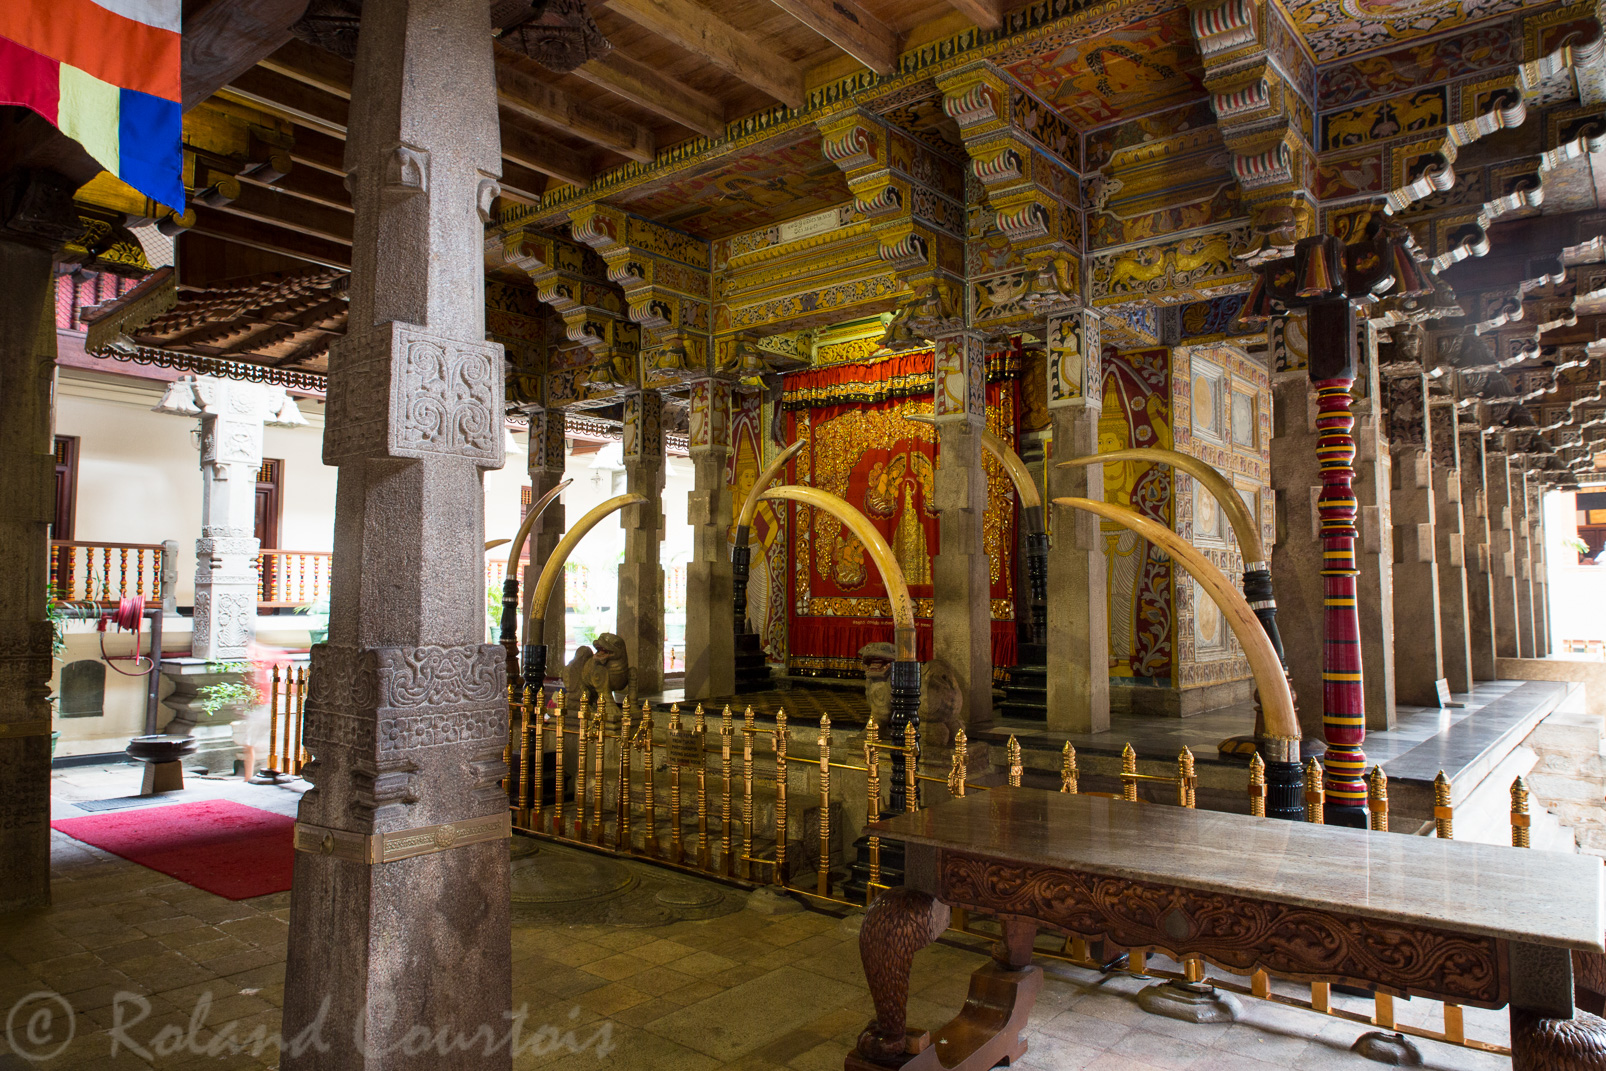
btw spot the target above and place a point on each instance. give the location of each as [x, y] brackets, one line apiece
[872, 809]
[701, 728]
[1260, 984]
[1012, 756]
[649, 799]
[1443, 813]
[1257, 785]
[558, 770]
[273, 719]
[509, 785]
[780, 797]
[956, 773]
[1068, 771]
[580, 795]
[537, 766]
[1321, 996]
[621, 823]
[1185, 796]
[911, 760]
[726, 729]
[1519, 813]
[823, 882]
[748, 730]
[1315, 798]
[1383, 1010]
[300, 713]
[676, 848]
[526, 712]
[600, 725]
[1377, 799]
[1129, 765]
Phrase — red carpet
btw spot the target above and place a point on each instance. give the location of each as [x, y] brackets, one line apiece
[225, 848]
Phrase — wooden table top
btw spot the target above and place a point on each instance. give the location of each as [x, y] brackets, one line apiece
[1537, 897]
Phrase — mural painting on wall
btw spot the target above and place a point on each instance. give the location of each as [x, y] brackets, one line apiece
[862, 449]
[1137, 413]
[1103, 144]
[1108, 228]
[1148, 65]
[766, 585]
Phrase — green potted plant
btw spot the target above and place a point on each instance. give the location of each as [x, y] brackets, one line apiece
[58, 647]
[320, 609]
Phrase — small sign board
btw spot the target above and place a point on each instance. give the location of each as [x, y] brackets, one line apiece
[686, 749]
[1443, 687]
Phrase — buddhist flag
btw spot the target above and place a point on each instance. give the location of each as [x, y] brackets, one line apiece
[107, 73]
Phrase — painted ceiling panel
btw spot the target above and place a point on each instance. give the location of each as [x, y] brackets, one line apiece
[1338, 28]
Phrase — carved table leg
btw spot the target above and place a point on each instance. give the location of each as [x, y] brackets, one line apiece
[987, 1032]
[1546, 1034]
[898, 924]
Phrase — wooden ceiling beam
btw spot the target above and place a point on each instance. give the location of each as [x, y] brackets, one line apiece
[279, 209]
[517, 91]
[272, 239]
[275, 92]
[316, 149]
[849, 27]
[644, 86]
[703, 32]
[988, 14]
[540, 153]
[310, 184]
[224, 38]
[524, 95]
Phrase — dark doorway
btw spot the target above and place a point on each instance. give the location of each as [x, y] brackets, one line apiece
[269, 490]
[61, 525]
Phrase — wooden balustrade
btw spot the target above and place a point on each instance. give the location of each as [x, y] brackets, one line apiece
[292, 577]
[104, 573]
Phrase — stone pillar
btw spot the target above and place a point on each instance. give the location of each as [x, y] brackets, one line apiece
[1503, 543]
[546, 466]
[641, 578]
[399, 909]
[1537, 567]
[1522, 547]
[1418, 652]
[1296, 555]
[232, 415]
[1374, 551]
[1479, 552]
[1078, 600]
[961, 617]
[1449, 524]
[27, 486]
[710, 641]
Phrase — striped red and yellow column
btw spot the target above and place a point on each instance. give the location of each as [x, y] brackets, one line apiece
[108, 74]
[1343, 696]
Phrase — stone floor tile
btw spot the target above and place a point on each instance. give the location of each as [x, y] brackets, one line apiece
[692, 992]
[743, 1019]
[612, 998]
[1159, 1049]
[1051, 1051]
[645, 1012]
[615, 967]
[826, 1056]
[1111, 1061]
[1087, 1030]
[704, 964]
[660, 951]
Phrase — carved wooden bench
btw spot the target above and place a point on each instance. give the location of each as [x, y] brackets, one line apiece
[1472, 924]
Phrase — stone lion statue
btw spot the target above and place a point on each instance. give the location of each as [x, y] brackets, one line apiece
[941, 702]
[596, 675]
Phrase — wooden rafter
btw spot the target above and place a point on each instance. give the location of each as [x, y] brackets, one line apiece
[541, 153]
[291, 213]
[224, 38]
[988, 14]
[640, 84]
[849, 27]
[517, 91]
[310, 184]
[703, 32]
[255, 234]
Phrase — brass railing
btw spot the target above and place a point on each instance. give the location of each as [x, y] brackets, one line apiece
[105, 572]
[287, 694]
[292, 577]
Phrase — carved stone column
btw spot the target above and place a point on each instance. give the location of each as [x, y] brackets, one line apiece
[1522, 548]
[641, 577]
[1374, 550]
[961, 617]
[1296, 556]
[399, 911]
[1078, 600]
[232, 415]
[1537, 568]
[1480, 563]
[1503, 544]
[546, 466]
[27, 486]
[710, 642]
[1449, 526]
[1418, 652]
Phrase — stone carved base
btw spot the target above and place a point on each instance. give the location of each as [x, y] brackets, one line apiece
[1395, 1050]
[1539, 1044]
[1190, 1003]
